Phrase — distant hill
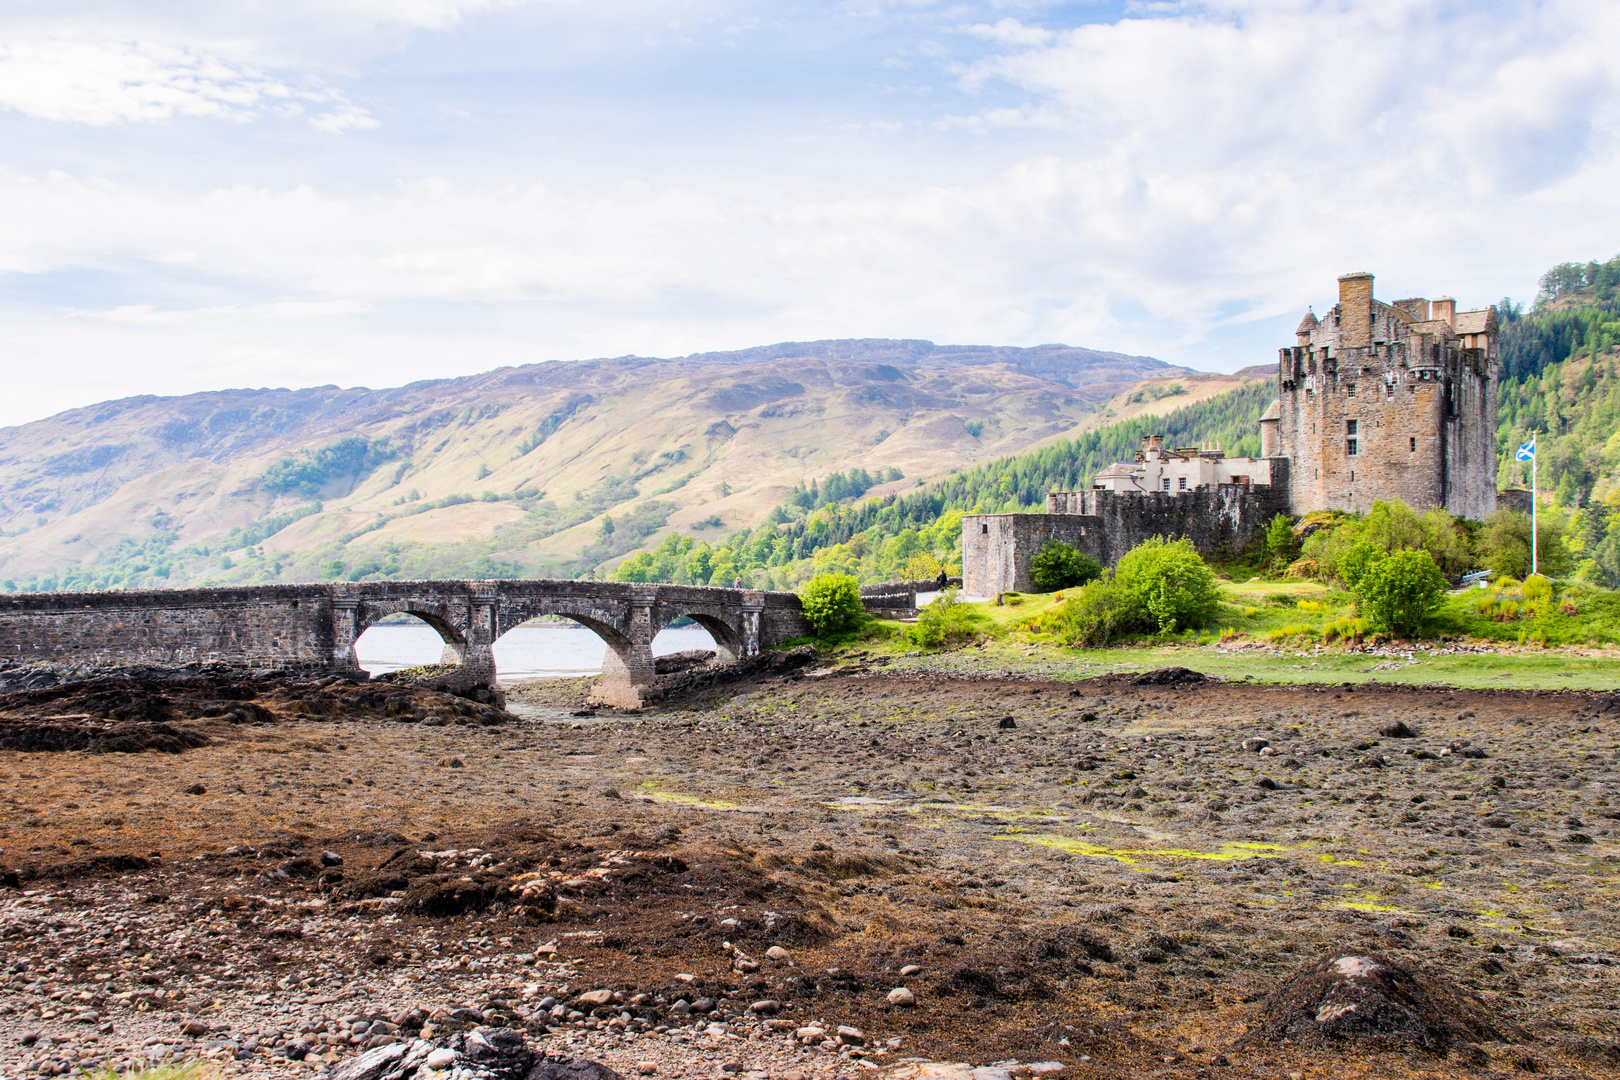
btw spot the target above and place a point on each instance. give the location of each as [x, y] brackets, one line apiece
[540, 469]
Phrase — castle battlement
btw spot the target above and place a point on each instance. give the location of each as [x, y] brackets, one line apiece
[1390, 401]
[1375, 401]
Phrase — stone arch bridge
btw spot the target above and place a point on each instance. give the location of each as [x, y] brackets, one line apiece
[312, 628]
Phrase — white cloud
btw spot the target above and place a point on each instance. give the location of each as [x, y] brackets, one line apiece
[1152, 185]
[103, 79]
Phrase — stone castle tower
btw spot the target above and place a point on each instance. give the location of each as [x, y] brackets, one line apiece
[1388, 401]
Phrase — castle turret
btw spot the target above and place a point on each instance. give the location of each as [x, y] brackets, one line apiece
[1271, 431]
[1307, 326]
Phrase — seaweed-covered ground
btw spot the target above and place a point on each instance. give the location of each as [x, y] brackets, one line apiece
[1126, 877]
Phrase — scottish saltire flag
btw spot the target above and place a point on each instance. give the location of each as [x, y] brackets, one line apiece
[1527, 452]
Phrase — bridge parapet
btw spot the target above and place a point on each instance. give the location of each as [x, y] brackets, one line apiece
[313, 628]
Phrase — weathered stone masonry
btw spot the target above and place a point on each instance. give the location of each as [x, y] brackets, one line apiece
[998, 549]
[311, 629]
[1375, 401]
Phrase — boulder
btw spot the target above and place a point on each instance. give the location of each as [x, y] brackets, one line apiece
[1352, 996]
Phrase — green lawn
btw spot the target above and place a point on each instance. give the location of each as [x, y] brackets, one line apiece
[1272, 639]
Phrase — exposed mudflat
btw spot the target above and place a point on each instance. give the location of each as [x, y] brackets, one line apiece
[1098, 874]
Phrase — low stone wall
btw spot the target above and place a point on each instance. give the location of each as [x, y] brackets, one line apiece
[998, 549]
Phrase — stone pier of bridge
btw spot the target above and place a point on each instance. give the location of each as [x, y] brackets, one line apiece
[312, 629]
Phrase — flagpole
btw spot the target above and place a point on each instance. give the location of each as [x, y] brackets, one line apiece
[1534, 456]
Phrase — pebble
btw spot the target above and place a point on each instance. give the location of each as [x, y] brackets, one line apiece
[441, 1058]
[594, 998]
[909, 970]
[647, 1068]
[779, 954]
[1255, 745]
[902, 997]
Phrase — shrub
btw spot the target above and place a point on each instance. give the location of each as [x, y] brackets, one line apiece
[832, 602]
[1281, 544]
[947, 621]
[1357, 559]
[1537, 588]
[1167, 584]
[1094, 615]
[1398, 591]
[1504, 544]
[1059, 566]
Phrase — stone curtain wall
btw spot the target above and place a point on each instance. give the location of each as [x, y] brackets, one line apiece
[998, 549]
[308, 629]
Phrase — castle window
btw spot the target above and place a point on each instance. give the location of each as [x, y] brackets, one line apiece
[1349, 427]
[1181, 483]
[1350, 447]
[1167, 483]
[1350, 389]
[984, 527]
[1414, 444]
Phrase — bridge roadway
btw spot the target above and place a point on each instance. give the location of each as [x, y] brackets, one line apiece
[313, 628]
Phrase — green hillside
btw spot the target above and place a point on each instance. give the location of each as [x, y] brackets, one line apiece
[914, 536]
[1561, 380]
[1559, 374]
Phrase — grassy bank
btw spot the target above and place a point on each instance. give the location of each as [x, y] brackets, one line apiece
[1282, 632]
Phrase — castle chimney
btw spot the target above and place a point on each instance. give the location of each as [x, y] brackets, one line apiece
[1445, 308]
[1355, 311]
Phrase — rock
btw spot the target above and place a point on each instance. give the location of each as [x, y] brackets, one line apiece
[703, 1005]
[779, 954]
[732, 1067]
[1397, 730]
[647, 1068]
[1267, 783]
[594, 998]
[194, 1028]
[909, 970]
[467, 1016]
[194, 789]
[331, 858]
[851, 1036]
[902, 998]
[779, 1025]
[1007, 724]
[1170, 676]
[1254, 746]
[1269, 751]
[442, 1058]
[766, 1008]
[810, 1036]
[1353, 996]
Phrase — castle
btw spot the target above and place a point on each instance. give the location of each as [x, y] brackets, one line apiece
[1375, 401]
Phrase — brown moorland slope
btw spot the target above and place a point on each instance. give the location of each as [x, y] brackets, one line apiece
[516, 467]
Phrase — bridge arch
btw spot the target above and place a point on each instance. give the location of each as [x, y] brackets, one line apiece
[441, 617]
[726, 630]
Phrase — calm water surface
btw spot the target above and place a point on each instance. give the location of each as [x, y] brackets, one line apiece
[551, 651]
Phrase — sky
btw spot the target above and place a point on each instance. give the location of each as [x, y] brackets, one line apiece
[196, 195]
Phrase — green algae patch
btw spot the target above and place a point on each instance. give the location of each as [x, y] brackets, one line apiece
[1130, 856]
[649, 790]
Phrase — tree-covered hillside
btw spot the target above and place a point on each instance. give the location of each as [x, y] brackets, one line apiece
[1561, 381]
[915, 536]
